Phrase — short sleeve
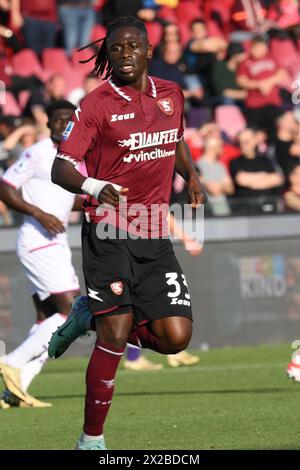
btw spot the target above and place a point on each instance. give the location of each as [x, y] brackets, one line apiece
[21, 171]
[81, 134]
[181, 104]
[234, 168]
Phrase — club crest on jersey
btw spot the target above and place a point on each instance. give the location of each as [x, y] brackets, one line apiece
[68, 130]
[166, 106]
[117, 287]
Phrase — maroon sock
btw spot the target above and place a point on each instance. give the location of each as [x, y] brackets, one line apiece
[143, 337]
[100, 376]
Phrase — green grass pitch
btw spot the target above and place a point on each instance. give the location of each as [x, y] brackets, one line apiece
[235, 398]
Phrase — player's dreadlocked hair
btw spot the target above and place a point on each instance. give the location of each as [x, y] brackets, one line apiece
[102, 62]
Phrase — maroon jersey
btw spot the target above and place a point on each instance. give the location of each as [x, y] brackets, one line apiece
[260, 69]
[128, 138]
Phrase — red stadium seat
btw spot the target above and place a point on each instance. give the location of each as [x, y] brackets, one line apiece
[230, 119]
[154, 33]
[26, 63]
[56, 61]
[187, 11]
[286, 55]
[185, 33]
[83, 69]
[9, 104]
[73, 80]
[213, 30]
[98, 32]
[167, 14]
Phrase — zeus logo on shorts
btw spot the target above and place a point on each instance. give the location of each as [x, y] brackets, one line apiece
[68, 130]
[122, 117]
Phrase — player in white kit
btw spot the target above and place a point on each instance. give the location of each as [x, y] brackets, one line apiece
[43, 250]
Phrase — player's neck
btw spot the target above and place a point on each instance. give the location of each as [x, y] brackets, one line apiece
[55, 140]
[139, 85]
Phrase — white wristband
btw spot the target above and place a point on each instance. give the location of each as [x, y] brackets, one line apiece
[93, 187]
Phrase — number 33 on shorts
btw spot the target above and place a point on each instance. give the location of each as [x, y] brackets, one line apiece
[178, 285]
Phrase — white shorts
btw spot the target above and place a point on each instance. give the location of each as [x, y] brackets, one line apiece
[49, 269]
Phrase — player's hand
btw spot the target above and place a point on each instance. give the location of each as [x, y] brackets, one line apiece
[51, 223]
[111, 196]
[17, 21]
[196, 192]
[193, 247]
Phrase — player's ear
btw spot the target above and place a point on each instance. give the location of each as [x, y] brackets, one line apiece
[149, 52]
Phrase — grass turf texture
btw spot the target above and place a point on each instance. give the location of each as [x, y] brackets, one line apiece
[235, 398]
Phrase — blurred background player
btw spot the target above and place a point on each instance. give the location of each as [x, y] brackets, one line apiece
[42, 249]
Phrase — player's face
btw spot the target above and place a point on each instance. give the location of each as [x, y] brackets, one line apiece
[58, 123]
[129, 51]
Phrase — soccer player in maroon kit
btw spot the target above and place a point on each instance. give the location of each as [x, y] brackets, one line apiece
[129, 131]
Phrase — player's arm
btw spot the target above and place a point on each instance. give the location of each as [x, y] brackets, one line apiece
[78, 203]
[65, 175]
[12, 198]
[185, 167]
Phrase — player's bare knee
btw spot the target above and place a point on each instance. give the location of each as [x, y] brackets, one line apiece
[178, 341]
[177, 346]
[114, 330]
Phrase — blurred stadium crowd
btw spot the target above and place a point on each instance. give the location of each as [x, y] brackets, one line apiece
[237, 61]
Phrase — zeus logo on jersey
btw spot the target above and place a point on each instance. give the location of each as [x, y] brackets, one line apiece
[122, 117]
[68, 130]
[141, 140]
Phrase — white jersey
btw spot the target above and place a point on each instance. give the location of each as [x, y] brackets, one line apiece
[32, 173]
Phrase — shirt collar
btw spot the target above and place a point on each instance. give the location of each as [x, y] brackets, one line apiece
[129, 93]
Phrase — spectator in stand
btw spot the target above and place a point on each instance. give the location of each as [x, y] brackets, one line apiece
[170, 34]
[287, 142]
[257, 184]
[39, 21]
[7, 37]
[77, 18]
[247, 18]
[224, 75]
[200, 53]
[284, 13]
[292, 196]
[145, 10]
[40, 98]
[238, 20]
[148, 11]
[215, 178]
[170, 67]
[196, 138]
[90, 83]
[261, 78]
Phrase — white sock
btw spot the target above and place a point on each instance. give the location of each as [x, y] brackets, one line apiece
[32, 369]
[36, 343]
[86, 437]
[32, 330]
